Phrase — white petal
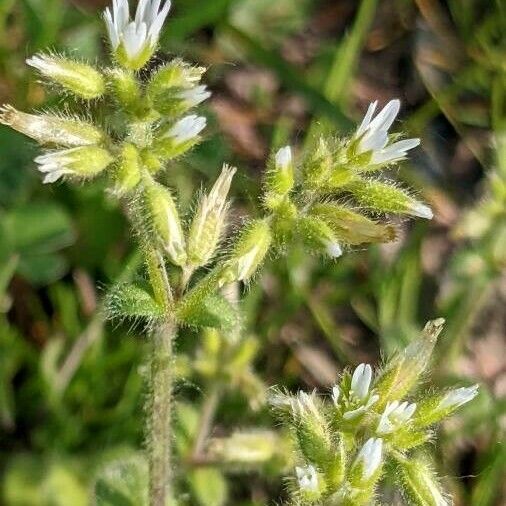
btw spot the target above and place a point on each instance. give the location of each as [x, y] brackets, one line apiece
[385, 118]
[367, 118]
[284, 157]
[373, 140]
[361, 380]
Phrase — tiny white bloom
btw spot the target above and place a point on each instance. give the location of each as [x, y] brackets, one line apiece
[361, 381]
[55, 165]
[336, 393]
[283, 157]
[370, 456]
[187, 128]
[334, 250]
[139, 34]
[307, 478]
[422, 211]
[395, 414]
[458, 397]
[194, 96]
[372, 135]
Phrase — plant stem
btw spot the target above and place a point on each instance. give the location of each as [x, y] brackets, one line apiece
[206, 420]
[159, 435]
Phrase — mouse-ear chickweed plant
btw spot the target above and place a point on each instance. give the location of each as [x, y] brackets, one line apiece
[370, 428]
[132, 125]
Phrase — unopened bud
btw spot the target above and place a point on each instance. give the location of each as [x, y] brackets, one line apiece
[78, 78]
[85, 161]
[176, 74]
[179, 101]
[403, 371]
[318, 236]
[209, 221]
[368, 460]
[127, 91]
[165, 217]
[249, 252]
[318, 167]
[128, 173]
[50, 129]
[386, 198]
[351, 227]
[181, 137]
[280, 178]
[419, 482]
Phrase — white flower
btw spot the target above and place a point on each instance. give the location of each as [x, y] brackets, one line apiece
[458, 397]
[140, 34]
[336, 393]
[334, 249]
[187, 128]
[307, 478]
[283, 157]
[194, 96]
[361, 380]
[372, 135]
[394, 415]
[360, 391]
[370, 456]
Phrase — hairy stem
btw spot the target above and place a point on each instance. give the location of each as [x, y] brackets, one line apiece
[159, 412]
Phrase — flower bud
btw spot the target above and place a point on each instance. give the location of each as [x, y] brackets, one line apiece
[318, 167]
[175, 102]
[419, 482]
[403, 371]
[50, 129]
[179, 138]
[127, 91]
[318, 236]
[85, 161]
[249, 252]
[128, 173]
[176, 74]
[351, 227]
[368, 462]
[165, 220]
[279, 179]
[386, 198]
[310, 485]
[78, 78]
[395, 415]
[209, 220]
[437, 407]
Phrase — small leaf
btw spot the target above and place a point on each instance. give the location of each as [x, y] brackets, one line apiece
[212, 311]
[123, 483]
[208, 486]
[132, 301]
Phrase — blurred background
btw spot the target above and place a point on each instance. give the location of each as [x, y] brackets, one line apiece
[71, 387]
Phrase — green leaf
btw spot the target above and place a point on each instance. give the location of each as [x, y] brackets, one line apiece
[132, 301]
[123, 483]
[208, 487]
[212, 311]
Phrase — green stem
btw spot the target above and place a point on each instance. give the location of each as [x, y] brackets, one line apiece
[159, 413]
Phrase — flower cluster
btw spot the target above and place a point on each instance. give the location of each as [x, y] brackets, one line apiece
[368, 430]
[331, 202]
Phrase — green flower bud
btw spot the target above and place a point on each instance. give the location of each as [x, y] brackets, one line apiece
[209, 221]
[367, 465]
[351, 227]
[176, 74]
[249, 252]
[419, 482]
[78, 78]
[127, 91]
[310, 484]
[85, 161]
[403, 371]
[50, 129]
[318, 167]
[386, 198]
[318, 236]
[165, 220]
[128, 173]
[311, 430]
[280, 179]
[437, 407]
